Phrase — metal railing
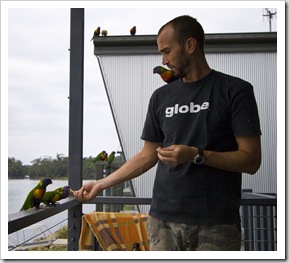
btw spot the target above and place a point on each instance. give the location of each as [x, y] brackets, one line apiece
[258, 214]
[259, 221]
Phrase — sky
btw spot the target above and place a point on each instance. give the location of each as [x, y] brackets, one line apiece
[37, 40]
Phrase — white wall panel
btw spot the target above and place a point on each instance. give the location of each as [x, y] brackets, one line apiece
[130, 82]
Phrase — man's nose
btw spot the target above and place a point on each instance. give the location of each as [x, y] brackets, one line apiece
[164, 60]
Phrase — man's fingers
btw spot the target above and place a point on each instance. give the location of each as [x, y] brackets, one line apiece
[165, 160]
[165, 152]
[166, 149]
[79, 194]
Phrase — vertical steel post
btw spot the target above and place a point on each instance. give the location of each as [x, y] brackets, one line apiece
[75, 120]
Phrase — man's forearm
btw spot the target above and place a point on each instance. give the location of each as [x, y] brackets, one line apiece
[136, 166]
[246, 159]
[238, 161]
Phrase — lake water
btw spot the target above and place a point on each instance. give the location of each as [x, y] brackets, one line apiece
[17, 193]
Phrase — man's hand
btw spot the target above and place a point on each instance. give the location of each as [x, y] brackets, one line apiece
[176, 154]
[88, 191]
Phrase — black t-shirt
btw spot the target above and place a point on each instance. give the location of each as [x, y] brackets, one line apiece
[207, 114]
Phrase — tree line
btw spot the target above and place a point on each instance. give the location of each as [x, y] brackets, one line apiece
[46, 166]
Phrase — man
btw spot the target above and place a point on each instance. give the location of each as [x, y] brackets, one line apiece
[203, 131]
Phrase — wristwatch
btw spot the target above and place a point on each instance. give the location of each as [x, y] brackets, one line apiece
[200, 157]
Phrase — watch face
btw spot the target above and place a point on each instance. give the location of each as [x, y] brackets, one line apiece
[199, 159]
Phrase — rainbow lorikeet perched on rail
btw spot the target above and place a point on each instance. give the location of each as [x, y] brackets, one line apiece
[166, 74]
[111, 157]
[35, 196]
[51, 197]
[100, 157]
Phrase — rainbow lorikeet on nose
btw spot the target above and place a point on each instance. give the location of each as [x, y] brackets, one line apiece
[35, 196]
[51, 197]
[166, 74]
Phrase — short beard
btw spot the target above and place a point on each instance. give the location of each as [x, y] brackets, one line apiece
[184, 66]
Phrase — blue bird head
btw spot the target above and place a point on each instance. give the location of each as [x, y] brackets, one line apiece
[46, 182]
[66, 191]
[157, 69]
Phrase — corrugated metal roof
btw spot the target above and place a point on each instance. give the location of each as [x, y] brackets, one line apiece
[147, 44]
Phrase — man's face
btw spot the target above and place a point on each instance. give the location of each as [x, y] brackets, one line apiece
[174, 55]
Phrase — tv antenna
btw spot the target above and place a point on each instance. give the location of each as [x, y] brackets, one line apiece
[270, 14]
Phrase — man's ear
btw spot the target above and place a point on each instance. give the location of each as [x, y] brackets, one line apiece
[191, 45]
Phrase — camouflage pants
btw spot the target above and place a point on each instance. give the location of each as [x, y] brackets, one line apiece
[166, 236]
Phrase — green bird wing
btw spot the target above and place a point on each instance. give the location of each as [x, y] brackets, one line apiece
[56, 197]
[52, 196]
[48, 196]
[59, 190]
[111, 157]
[33, 194]
[28, 201]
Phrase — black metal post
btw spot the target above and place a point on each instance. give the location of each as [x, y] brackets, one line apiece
[75, 120]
